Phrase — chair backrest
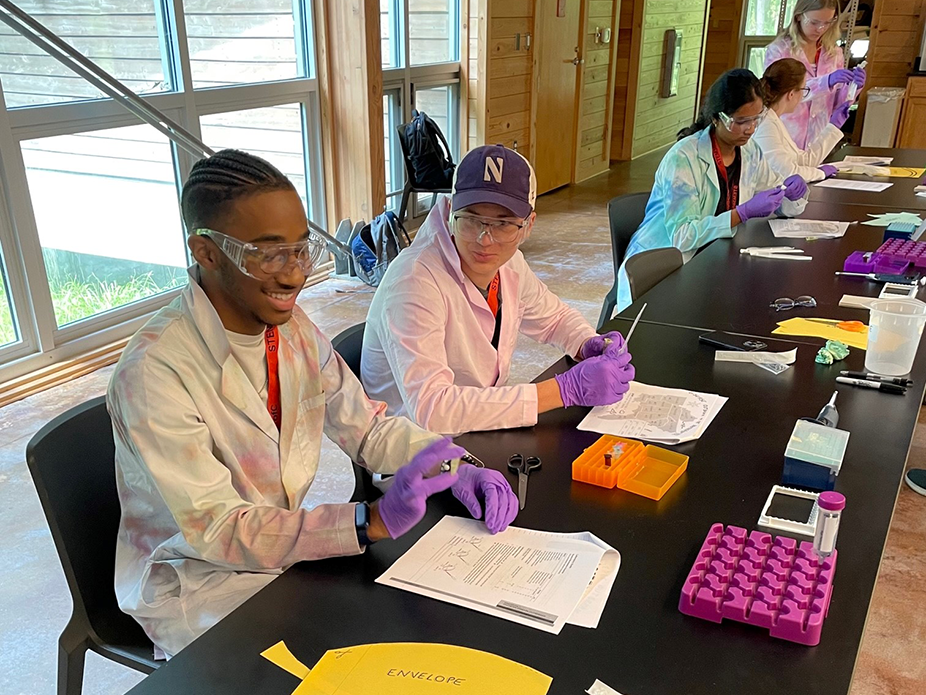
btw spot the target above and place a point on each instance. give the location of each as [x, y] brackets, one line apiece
[647, 269]
[72, 462]
[625, 215]
[349, 345]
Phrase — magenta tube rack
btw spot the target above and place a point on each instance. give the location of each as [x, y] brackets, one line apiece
[769, 581]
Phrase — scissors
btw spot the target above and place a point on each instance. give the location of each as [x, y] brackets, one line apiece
[851, 326]
[523, 467]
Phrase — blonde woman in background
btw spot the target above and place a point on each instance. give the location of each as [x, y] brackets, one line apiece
[784, 84]
[811, 39]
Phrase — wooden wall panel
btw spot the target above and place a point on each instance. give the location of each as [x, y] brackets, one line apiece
[621, 114]
[510, 67]
[657, 120]
[722, 48]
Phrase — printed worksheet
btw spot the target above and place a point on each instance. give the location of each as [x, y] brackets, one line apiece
[853, 185]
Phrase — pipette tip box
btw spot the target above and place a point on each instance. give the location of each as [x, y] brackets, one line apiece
[772, 582]
[814, 456]
[644, 470]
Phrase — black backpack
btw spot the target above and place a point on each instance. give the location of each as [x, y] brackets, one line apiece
[427, 152]
[376, 245]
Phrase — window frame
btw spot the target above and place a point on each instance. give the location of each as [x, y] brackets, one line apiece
[749, 42]
[41, 341]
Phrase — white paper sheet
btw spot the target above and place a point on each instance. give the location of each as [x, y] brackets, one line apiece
[599, 688]
[853, 185]
[656, 414]
[802, 229]
[859, 159]
[529, 577]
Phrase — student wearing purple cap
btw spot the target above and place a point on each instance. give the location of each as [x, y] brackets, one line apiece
[443, 325]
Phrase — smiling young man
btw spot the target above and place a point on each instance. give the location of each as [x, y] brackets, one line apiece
[219, 404]
[444, 323]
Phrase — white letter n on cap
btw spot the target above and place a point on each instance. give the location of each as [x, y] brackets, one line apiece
[494, 169]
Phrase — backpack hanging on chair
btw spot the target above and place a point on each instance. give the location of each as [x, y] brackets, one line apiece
[376, 245]
[427, 152]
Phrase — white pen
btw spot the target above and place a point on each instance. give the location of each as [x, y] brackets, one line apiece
[607, 341]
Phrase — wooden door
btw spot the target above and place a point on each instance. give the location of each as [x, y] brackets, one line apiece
[912, 134]
[557, 60]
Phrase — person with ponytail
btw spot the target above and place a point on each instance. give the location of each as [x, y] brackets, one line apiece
[713, 178]
[219, 404]
[811, 39]
[784, 86]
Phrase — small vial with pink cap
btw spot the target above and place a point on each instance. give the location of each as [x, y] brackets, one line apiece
[830, 505]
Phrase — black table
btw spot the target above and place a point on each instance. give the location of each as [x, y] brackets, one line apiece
[644, 644]
[900, 196]
[721, 289]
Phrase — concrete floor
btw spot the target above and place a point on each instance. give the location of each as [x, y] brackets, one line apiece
[570, 251]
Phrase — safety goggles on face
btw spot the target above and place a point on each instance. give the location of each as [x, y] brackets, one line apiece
[499, 230]
[786, 303]
[264, 261]
[817, 24]
[804, 92]
[742, 123]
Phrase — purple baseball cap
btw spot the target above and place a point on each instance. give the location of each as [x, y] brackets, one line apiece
[494, 174]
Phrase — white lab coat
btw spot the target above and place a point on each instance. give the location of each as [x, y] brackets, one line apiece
[210, 490]
[785, 157]
[427, 348]
[680, 210]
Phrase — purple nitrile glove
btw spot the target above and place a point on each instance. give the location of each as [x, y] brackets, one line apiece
[762, 204]
[405, 502]
[840, 114]
[601, 380]
[841, 76]
[795, 187]
[829, 171]
[596, 345]
[859, 76]
[490, 487]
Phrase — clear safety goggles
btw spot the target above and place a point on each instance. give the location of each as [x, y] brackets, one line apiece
[264, 261]
[742, 123]
[499, 230]
[786, 303]
[817, 24]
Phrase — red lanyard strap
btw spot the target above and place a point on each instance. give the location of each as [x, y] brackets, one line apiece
[732, 191]
[272, 344]
[492, 298]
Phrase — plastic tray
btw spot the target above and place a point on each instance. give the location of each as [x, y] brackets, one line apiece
[904, 250]
[756, 578]
[856, 262]
[643, 470]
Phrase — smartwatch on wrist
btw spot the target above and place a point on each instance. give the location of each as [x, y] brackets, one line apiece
[362, 523]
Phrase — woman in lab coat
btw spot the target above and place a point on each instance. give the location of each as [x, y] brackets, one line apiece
[713, 178]
[784, 86]
[811, 39]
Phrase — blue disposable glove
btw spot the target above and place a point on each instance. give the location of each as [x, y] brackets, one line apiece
[840, 114]
[762, 204]
[476, 487]
[841, 76]
[601, 380]
[859, 76]
[405, 502]
[795, 187]
[829, 171]
[596, 345]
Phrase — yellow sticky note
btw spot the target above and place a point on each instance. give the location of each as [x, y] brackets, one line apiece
[419, 669]
[280, 655]
[906, 172]
[799, 326]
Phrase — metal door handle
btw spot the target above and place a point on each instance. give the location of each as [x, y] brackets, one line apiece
[577, 61]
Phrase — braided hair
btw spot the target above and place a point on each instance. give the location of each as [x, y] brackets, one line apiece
[732, 90]
[219, 180]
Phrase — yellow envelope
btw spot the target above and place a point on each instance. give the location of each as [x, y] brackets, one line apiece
[798, 326]
[906, 172]
[413, 669]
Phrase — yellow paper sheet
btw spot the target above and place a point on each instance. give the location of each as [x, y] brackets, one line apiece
[906, 172]
[280, 655]
[800, 326]
[419, 669]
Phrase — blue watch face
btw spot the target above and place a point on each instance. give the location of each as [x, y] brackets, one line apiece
[362, 523]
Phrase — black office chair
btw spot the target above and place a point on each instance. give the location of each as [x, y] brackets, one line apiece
[625, 214]
[410, 185]
[349, 345]
[647, 269]
[72, 463]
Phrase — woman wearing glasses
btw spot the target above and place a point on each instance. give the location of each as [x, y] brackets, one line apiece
[713, 178]
[785, 88]
[811, 39]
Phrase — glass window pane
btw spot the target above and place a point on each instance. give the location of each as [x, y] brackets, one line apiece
[8, 330]
[273, 132]
[241, 41]
[432, 31]
[440, 103]
[121, 36]
[756, 61]
[762, 17]
[106, 209]
[389, 34]
[395, 163]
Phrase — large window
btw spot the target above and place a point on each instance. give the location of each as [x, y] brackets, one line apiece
[421, 70]
[763, 21]
[91, 238]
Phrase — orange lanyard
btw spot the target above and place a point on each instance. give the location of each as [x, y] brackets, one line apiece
[492, 299]
[272, 344]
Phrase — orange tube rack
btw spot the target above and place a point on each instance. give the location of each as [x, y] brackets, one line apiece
[643, 470]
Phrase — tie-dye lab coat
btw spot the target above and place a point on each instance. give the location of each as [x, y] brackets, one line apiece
[686, 192]
[810, 118]
[210, 490]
